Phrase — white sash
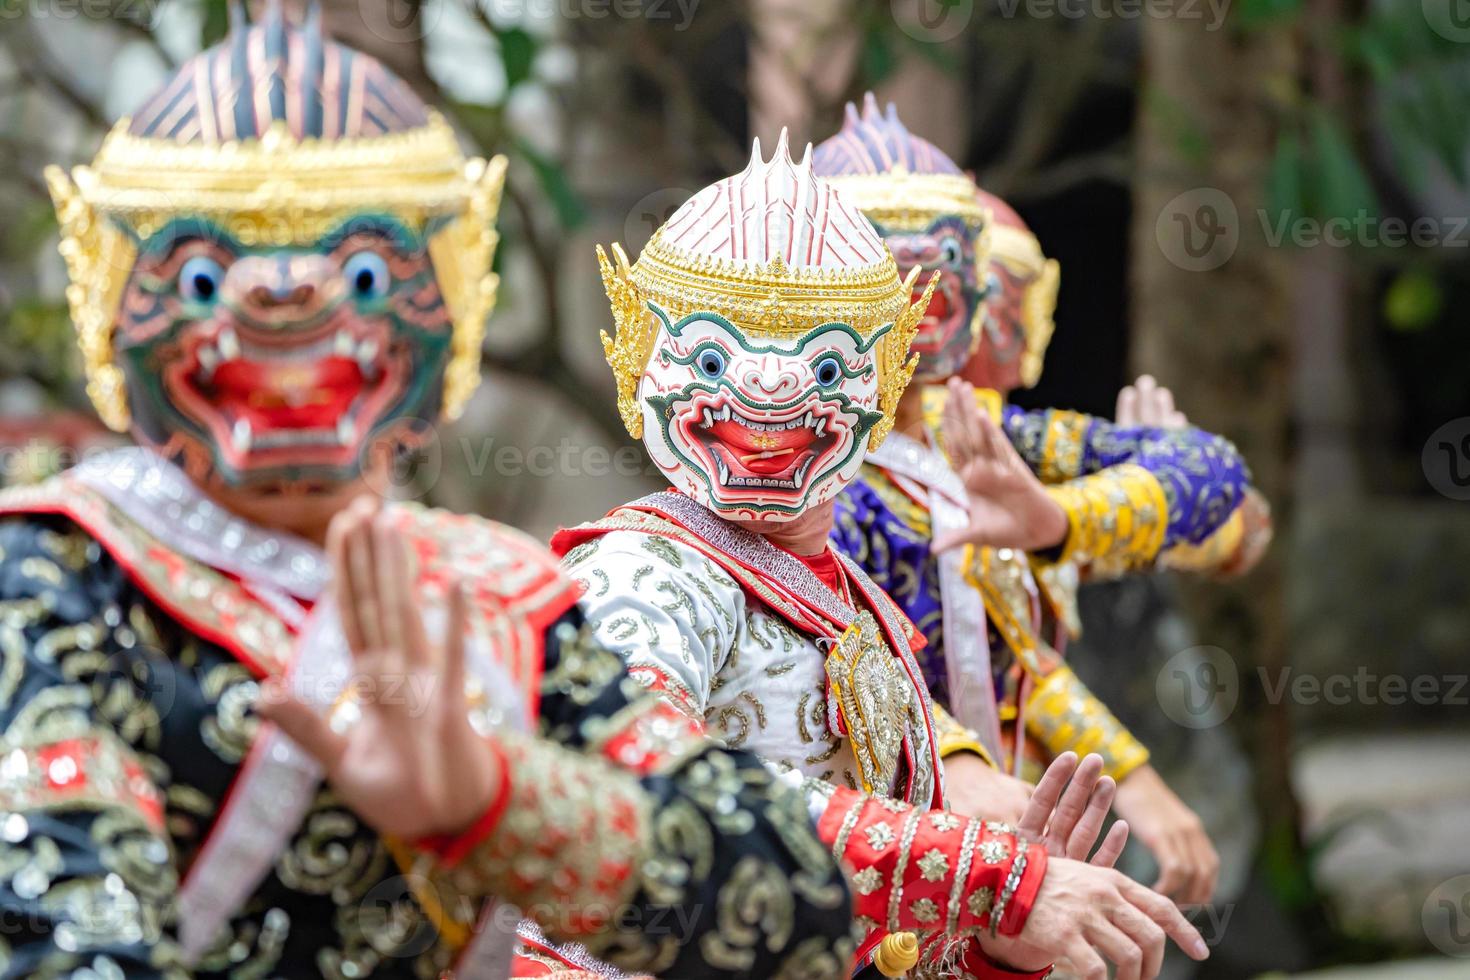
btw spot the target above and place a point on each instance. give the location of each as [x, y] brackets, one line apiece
[966, 647]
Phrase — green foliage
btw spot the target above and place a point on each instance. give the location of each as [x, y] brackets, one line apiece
[555, 185]
[1422, 81]
[878, 58]
[1317, 173]
[1191, 143]
[1413, 301]
[36, 340]
[517, 54]
[1257, 14]
[215, 23]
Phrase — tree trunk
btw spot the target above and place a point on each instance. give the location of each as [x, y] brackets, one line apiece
[1214, 313]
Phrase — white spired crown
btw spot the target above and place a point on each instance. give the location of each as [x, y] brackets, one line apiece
[776, 209]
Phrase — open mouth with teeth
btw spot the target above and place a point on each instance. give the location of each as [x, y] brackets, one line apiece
[754, 452]
[273, 399]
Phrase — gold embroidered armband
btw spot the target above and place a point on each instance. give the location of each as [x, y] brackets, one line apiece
[954, 738]
[1065, 716]
[1116, 516]
[567, 843]
[1062, 446]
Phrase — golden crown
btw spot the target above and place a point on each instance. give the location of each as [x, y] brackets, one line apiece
[772, 299]
[903, 201]
[1020, 251]
[1038, 319]
[276, 190]
[1017, 248]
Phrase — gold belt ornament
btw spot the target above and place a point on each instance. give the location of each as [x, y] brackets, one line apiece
[875, 698]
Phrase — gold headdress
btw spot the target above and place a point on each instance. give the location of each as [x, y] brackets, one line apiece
[1014, 246]
[903, 201]
[265, 186]
[824, 264]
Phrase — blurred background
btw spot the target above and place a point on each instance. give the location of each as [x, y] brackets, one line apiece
[1261, 202]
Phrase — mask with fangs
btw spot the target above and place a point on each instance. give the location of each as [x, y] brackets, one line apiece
[762, 341]
[271, 277]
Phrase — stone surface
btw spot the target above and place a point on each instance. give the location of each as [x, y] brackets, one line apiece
[1387, 816]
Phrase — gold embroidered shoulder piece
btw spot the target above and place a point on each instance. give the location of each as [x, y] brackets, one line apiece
[208, 602]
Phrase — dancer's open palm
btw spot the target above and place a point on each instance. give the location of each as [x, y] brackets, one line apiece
[1009, 506]
[399, 749]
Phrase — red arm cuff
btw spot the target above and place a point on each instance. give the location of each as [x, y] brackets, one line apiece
[975, 965]
[451, 849]
[1024, 898]
[930, 872]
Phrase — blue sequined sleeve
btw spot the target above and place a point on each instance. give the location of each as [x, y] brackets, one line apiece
[1202, 475]
[889, 536]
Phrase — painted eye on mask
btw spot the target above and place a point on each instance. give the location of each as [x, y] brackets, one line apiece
[200, 279]
[827, 370]
[992, 286]
[710, 363]
[367, 275]
[951, 252]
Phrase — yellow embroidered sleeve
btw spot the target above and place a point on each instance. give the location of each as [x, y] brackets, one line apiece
[1116, 516]
[1064, 716]
[1211, 554]
[1062, 446]
[955, 738]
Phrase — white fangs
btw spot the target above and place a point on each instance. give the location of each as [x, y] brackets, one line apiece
[229, 344]
[367, 357]
[208, 361]
[761, 482]
[240, 436]
[809, 420]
